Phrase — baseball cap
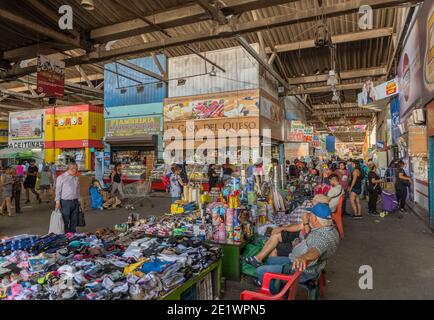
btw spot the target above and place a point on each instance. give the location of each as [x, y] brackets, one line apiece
[322, 211]
[258, 161]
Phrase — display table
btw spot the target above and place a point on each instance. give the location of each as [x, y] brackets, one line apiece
[193, 288]
[231, 261]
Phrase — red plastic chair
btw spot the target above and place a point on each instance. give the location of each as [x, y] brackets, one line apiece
[264, 293]
[337, 217]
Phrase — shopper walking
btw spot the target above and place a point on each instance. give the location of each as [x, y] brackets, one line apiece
[68, 197]
[356, 189]
[16, 191]
[116, 181]
[46, 181]
[7, 180]
[344, 179]
[401, 184]
[176, 183]
[30, 181]
[374, 189]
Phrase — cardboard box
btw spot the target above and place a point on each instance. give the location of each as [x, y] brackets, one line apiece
[85, 183]
[86, 204]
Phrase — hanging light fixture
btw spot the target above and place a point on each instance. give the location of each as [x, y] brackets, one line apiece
[88, 4]
[212, 73]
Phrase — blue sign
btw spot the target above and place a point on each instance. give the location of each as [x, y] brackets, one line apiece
[331, 144]
[380, 145]
[394, 112]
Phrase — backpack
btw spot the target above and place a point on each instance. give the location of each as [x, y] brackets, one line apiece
[166, 180]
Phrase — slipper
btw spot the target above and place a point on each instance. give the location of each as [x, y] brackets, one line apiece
[253, 262]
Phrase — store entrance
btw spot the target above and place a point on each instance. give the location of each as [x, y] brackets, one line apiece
[137, 161]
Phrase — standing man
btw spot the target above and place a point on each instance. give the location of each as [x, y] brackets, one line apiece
[30, 181]
[68, 197]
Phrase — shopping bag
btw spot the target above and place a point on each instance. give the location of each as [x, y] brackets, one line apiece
[388, 186]
[56, 223]
[81, 221]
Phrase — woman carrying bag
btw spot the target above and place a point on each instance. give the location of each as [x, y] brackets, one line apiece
[116, 180]
[374, 189]
[401, 184]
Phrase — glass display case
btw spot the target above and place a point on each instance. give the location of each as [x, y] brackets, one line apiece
[130, 172]
[69, 155]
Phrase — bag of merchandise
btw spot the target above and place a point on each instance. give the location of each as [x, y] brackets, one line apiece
[56, 223]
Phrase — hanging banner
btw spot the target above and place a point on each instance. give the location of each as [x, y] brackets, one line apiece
[371, 94]
[331, 143]
[396, 120]
[410, 73]
[50, 77]
[426, 27]
[296, 131]
[308, 134]
[316, 142]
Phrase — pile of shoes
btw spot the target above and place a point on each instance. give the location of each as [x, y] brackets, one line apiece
[107, 265]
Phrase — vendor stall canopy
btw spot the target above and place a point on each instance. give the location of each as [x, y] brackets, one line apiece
[13, 153]
[285, 29]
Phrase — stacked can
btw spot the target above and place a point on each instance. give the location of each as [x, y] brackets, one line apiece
[230, 215]
[237, 230]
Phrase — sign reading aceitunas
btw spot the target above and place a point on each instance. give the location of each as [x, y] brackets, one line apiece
[26, 129]
[132, 126]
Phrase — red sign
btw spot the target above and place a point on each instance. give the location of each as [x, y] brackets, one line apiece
[51, 77]
[296, 136]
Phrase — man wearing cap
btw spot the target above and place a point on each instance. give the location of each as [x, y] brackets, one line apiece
[317, 242]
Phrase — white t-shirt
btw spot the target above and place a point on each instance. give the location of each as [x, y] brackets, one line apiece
[334, 193]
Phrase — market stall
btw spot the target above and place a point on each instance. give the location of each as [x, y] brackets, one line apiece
[73, 134]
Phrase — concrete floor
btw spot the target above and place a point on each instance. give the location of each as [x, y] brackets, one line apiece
[399, 250]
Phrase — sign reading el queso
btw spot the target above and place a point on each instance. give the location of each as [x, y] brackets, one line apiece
[244, 125]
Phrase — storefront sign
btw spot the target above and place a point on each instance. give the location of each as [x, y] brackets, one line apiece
[26, 129]
[51, 77]
[220, 105]
[132, 126]
[246, 126]
[26, 144]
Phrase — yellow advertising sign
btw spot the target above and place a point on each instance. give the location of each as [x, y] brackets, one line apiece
[132, 126]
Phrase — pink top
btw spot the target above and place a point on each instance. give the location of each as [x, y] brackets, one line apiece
[19, 170]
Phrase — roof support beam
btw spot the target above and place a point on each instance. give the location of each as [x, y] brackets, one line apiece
[340, 38]
[214, 12]
[36, 27]
[139, 69]
[226, 31]
[350, 74]
[50, 14]
[322, 89]
[85, 77]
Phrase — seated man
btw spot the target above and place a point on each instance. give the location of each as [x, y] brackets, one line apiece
[283, 239]
[311, 253]
[335, 192]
